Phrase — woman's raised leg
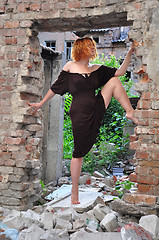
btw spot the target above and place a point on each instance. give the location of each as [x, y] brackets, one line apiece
[115, 88]
[76, 166]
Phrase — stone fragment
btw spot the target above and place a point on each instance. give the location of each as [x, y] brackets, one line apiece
[31, 214]
[20, 220]
[47, 218]
[66, 214]
[63, 180]
[63, 224]
[96, 236]
[91, 215]
[55, 234]
[98, 174]
[133, 231]
[100, 211]
[92, 226]
[109, 222]
[83, 179]
[33, 232]
[150, 223]
[78, 224]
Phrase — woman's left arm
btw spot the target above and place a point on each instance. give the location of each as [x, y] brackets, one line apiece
[121, 71]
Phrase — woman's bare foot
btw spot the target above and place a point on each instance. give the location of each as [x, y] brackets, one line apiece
[74, 196]
[130, 116]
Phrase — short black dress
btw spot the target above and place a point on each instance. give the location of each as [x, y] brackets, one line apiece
[87, 109]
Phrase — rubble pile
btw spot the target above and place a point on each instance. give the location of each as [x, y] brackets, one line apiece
[93, 218]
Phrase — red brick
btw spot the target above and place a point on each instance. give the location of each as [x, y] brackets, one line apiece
[144, 104]
[134, 145]
[144, 122]
[155, 171]
[5, 155]
[155, 123]
[142, 198]
[137, 5]
[26, 23]
[133, 177]
[141, 155]
[60, 5]
[149, 163]
[35, 7]
[155, 156]
[12, 24]
[15, 141]
[73, 4]
[130, 198]
[14, 64]
[147, 179]
[157, 139]
[2, 9]
[30, 148]
[1, 178]
[133, 138]
[2, 162]
[10, 40]
[142, 170]
[11, 55]
[10, 162]
[23, 7]
[143, 188]
[47, 6]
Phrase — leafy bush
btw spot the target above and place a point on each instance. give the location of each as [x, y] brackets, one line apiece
[111, 130]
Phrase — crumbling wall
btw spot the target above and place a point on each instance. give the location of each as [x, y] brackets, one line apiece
[21, 80]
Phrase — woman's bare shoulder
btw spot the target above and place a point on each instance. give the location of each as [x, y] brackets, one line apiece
[96, 66]
[68, 66]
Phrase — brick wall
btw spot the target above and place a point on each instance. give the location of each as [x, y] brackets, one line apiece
[21, 80]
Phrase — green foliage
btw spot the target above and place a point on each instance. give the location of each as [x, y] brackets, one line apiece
[122, 186]
[67, 130]
[42, 185]
[111, 131]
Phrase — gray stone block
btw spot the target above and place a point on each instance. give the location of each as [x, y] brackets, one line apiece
[109, 222]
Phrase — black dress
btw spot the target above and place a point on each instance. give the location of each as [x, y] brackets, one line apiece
[87, 109]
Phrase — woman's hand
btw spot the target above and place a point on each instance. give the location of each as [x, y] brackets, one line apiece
[133, 46]
[36, 106]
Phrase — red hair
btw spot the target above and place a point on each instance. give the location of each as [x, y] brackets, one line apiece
[80, 48]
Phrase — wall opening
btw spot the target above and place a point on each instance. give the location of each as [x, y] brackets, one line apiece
[109, 41]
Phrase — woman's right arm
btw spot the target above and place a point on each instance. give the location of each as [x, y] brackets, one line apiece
[48, 96]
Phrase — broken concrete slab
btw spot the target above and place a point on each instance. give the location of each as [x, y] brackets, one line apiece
[95, 236]
[87, 201]
[60, 193]
[122, 207]
[150, 223]
[109, 222]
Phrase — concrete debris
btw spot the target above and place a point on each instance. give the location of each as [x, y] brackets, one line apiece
[134, 232]
[98, 216]
[98, 174]
[109, 222]
[33, 232]
[95, 236]
[150, 223]
[11, 234]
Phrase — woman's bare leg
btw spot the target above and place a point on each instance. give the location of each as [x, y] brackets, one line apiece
[115, 88]
[76, 166]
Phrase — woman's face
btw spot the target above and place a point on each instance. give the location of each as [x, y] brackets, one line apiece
[91, 48]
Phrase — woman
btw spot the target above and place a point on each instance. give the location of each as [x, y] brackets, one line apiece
[81, 79]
